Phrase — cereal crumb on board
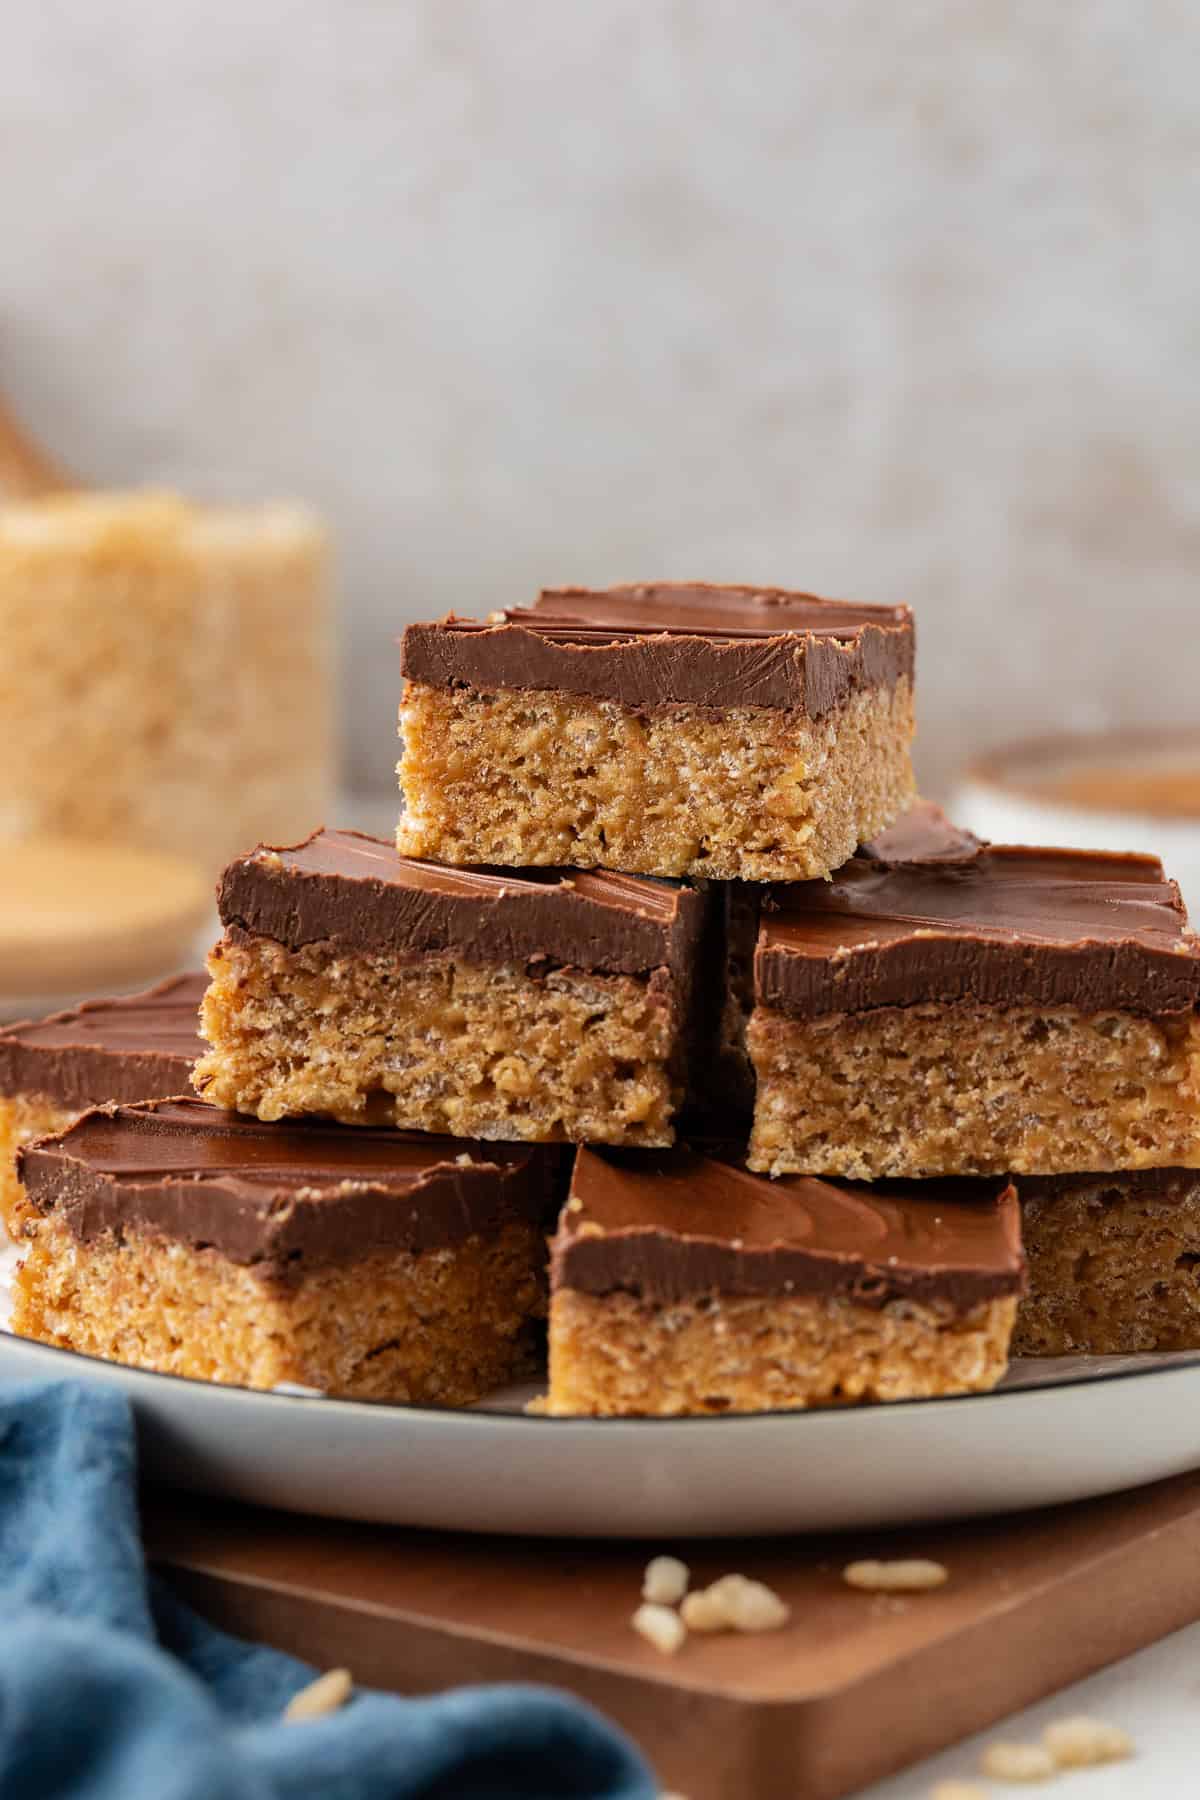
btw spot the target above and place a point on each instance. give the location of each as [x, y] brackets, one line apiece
[702, 1613]
[1017, 1762]
[735, 1603]
[660, 1626]
[907, 1576]
[665, 1581]
[1079, 1742]
[957, 1790]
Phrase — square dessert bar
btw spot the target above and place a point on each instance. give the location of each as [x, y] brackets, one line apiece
[1114, 1263]
[377, 1264]
[667, 729]
[681, 1283]
[139, 1047]
[922, 834]
[1009, 1010]
[359, 984]
[166, 671]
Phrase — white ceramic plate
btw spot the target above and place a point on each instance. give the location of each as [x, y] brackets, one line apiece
[1050, 1434]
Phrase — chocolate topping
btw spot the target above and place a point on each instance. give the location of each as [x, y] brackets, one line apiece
[342, 888]
[1007, 926]
[138, 1047]
[673, 644]
[923, 834]
[277, 1193]
[677, 1225]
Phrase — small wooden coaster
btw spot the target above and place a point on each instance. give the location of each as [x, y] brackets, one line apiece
[74, 915]
[857, 1686]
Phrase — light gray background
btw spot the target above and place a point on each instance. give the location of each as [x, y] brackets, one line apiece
[897, 301]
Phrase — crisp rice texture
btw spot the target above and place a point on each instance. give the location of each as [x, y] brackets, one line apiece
[618, 1353]
[164, 675]
[959, 1090]
[547, 778]
[24, 1117]
[438, 1045]
[442, 1328]
[1112, 1271]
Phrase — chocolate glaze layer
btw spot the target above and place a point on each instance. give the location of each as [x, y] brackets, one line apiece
[357, 892]
[137, 1047]
[279, 1194]
[664, 644]
[677, 1225]
[922, 834]
[1007, 926]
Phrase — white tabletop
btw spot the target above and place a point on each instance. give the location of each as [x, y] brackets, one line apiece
[1154, 1696]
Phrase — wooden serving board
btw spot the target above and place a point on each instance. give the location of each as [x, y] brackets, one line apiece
[857, 1686]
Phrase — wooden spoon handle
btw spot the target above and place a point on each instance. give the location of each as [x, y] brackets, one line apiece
[25, 469]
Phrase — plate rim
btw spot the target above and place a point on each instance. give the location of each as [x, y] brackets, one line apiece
[471, 1416]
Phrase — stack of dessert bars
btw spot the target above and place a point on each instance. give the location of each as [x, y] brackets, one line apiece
[818, 1099]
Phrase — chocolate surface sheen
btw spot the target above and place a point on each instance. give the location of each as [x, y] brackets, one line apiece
[276, 1193]
[673, 644]
[137, 1047]
[673, 1225]
[922, 834]
[1007, 926]
[342, 888]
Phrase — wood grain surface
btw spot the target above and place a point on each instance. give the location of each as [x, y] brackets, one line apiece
[857, 1686]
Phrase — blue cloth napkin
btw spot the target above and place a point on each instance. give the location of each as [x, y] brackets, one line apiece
[110, 1689]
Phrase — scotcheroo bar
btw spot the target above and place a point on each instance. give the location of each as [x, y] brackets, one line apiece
[138, 1047]
[923, 834]
[681, 1283]
[1010, 1011]
[667, 729]
[165, 669]
[358, 984]
[380, 1265]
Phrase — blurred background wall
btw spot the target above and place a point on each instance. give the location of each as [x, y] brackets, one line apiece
[900, 302]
